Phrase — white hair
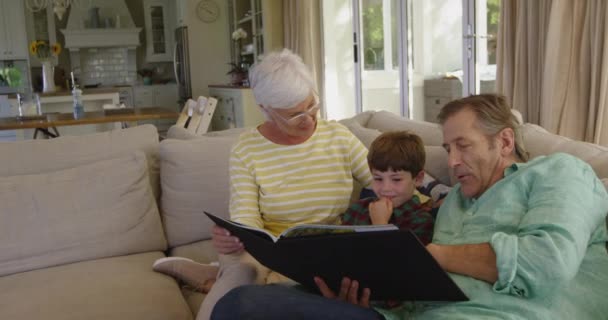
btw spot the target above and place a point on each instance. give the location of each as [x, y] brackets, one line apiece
[280, 80]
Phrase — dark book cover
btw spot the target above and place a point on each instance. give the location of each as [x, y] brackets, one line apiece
[394, 264]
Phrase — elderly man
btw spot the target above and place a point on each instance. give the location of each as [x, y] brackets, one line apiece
[523, 240]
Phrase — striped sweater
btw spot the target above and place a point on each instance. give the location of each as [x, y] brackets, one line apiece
[276, 186]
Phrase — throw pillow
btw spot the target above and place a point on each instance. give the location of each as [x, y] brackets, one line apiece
[106, 208]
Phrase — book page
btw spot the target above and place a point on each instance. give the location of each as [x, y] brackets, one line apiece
[321, 229]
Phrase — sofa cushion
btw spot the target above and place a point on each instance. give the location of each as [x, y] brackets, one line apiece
[436, 163]
[365, 135]
[430, 133]
[194, 178]
[106, 289]
[97, 210]
[37, 156]
[539, 141]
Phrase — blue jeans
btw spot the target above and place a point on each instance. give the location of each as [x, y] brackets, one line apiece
[270, 302]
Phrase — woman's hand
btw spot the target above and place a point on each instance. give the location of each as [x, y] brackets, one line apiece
[380, 211]
[223, 242]
[349, 292]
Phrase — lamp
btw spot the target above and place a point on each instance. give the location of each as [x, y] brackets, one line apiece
[59, 6]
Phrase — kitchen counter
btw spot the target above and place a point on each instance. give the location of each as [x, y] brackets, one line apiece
[227, 86]
[64, 92]
[84, 91]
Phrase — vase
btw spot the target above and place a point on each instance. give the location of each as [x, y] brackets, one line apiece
[48, 77]
[238, 78]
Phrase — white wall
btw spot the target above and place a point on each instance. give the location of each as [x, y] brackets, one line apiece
[441, 34]
[209, 47]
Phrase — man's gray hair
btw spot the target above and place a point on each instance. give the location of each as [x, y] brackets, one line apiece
[493, 115]
[280, 80]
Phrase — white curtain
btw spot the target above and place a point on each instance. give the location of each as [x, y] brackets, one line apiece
[552, 64]
[302, 32]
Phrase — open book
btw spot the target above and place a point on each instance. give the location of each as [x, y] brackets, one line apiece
[393, 263]
[303, 230]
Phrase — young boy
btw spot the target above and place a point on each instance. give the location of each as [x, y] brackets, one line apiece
[396, 161]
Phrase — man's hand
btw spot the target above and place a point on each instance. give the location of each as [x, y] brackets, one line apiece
[349, 292]
[380, 211]
[223, 242]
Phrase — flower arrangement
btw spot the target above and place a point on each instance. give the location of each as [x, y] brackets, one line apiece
[42, 50]
[239, 34]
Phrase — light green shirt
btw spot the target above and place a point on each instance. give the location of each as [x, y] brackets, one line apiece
[546, 222]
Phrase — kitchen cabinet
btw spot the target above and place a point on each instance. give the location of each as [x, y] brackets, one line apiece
[158, 95]
[236, 108]
[263, 22]
[160, 22]
[13, 38]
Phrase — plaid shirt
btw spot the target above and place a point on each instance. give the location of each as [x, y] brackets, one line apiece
[412, 215]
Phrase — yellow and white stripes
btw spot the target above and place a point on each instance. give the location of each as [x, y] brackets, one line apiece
[276, 186]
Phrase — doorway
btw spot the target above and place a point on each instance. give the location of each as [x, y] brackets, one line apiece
[409, 57]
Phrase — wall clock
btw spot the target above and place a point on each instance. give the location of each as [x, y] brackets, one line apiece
[207, 10]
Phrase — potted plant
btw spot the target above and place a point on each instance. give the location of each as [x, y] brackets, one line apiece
[238, 74]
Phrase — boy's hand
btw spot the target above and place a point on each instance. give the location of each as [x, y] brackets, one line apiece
[380, 211]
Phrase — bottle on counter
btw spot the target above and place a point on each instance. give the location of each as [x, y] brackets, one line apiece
[78, 106]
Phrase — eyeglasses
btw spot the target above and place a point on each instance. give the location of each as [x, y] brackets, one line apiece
[300, 116]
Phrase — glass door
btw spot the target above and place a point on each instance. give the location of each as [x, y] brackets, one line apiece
[378, 49]
[409, 57]
[480, 33]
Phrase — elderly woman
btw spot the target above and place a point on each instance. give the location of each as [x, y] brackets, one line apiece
[293, 169]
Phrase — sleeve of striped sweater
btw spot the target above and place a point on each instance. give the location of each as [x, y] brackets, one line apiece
[243, 194]
[359, 167]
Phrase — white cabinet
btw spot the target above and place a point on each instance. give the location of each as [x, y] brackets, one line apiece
[13, 38]
[159, 95]
[160, 22]
[236, 108]
[263, 22]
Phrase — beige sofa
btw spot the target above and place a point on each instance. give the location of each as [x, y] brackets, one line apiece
[83, 218]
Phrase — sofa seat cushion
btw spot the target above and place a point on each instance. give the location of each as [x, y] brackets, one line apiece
[113, 288]
[200, 251]
[92, 211]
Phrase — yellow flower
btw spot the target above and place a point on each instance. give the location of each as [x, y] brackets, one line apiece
[33, 48]
[42, 50]
[56, 49]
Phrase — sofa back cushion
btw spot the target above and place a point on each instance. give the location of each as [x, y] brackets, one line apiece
[38, 156]
[430, 133]
[91, 211]
[539, 141]
[436, 163]
[194, 178]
